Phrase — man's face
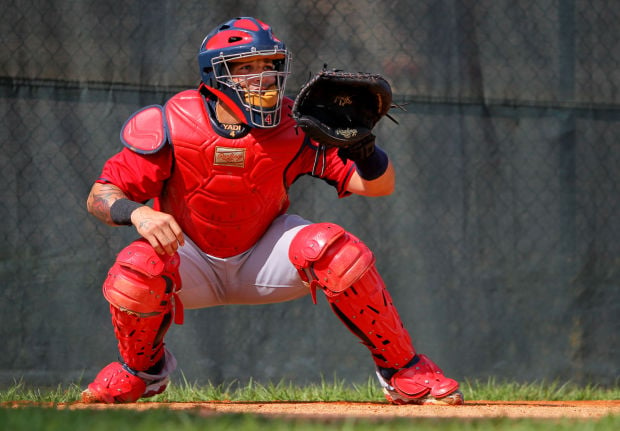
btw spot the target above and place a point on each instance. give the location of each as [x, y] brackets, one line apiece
[257, 79]
[253, 67]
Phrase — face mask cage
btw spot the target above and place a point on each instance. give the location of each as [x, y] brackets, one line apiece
[259, 95]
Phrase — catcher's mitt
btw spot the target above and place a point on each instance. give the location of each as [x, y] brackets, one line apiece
[340, 109]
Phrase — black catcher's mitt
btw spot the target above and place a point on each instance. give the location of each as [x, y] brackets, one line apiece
[339, 109]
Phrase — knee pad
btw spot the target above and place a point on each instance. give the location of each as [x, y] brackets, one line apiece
[330, 256]
[144, 283]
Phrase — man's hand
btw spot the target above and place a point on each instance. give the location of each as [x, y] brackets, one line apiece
[161, 230]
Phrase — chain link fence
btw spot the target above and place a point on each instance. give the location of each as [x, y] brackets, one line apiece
[501, 244]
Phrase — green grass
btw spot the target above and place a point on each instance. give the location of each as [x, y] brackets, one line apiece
[493, 390]
[42, 418]
[46, 419]
[327, 390]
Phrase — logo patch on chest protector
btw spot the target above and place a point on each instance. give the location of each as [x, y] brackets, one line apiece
[232, 129]
[225, 156]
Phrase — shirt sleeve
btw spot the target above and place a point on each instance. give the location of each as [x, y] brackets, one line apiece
[140, 176]
[324, 163]
[337, 172]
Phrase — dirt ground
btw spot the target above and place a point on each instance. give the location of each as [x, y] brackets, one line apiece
[332, 410]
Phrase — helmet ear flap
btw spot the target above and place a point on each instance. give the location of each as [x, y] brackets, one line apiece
[208, 77]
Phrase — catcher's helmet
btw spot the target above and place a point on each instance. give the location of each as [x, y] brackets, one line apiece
[244, 39]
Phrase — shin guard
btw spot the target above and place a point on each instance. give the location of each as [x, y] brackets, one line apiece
[141, 288]
[329, 258]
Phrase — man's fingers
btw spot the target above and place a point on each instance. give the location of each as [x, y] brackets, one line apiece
[160, 229]
[155, 244]
[168, 241]
[178, 233]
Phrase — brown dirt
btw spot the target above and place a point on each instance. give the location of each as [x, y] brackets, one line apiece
[334, 410]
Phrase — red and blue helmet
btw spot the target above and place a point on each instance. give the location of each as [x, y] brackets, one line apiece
[242, 39]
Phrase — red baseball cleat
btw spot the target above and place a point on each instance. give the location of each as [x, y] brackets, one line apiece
[117, 383]
[421, 383]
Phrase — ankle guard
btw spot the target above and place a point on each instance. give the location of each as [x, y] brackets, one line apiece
[422, 382]
[118, 383]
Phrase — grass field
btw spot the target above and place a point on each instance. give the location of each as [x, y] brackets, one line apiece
[38, 408]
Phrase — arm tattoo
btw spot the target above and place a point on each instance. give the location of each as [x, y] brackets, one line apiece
[103, 199]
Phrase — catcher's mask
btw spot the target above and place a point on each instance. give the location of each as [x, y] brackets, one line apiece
[255, 97]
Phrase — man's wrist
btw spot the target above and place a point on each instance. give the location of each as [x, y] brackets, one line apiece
[121, 209]
[373, 166]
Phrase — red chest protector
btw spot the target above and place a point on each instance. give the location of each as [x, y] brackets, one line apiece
[223, 192]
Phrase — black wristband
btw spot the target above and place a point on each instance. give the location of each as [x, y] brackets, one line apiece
[120, 211]
[373, 166]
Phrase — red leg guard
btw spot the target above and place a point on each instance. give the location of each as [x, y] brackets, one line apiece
[140, 339]
[341, 265]
[367, 310]
[141, 288]
[329, 258]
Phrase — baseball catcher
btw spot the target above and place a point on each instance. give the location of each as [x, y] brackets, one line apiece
[217, 162]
